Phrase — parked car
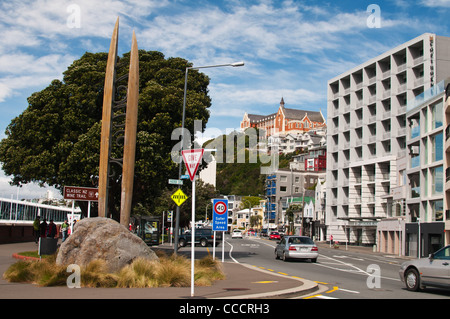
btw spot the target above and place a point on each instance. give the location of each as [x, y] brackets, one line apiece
[203, 236]
[274, 235]
[432, 271]
[298, 247]
[236, 233]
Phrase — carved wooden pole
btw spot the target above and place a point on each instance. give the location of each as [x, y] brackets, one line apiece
[129, 150]
[108, 97]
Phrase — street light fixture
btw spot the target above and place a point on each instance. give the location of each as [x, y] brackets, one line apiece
[235, 64]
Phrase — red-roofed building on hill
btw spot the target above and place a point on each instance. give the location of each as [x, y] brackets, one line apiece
[285, 120]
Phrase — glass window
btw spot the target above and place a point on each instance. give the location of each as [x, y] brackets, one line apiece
[415, 128]
[437, 147]
[437, 180]
[438, 210]
[443, 254]
[437, 115]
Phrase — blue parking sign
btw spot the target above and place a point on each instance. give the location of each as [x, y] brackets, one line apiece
[220, 214]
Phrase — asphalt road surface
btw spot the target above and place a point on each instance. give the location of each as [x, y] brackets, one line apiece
[340, 274]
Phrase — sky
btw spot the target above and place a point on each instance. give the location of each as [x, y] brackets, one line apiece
[290, 48]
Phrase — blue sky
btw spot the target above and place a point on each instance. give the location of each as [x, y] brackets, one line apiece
[290, 48]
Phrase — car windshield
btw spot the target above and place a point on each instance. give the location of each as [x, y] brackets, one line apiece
[301, 240]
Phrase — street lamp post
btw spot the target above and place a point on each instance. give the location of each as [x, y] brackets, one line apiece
[177, 216]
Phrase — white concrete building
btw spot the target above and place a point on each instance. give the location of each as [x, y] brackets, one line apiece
[367, 132]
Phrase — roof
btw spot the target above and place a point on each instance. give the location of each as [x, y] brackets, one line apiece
[300, 115]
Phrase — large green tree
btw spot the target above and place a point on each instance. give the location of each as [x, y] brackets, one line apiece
[56, 140]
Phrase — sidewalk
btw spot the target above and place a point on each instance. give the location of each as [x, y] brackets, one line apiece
[242, 282]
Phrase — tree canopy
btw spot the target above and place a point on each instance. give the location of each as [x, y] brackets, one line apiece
[56, 140]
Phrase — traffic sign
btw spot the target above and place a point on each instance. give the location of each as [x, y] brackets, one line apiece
[220, 214]
[179, 197]
[81, 193]
[175, 182]
[192, 159]
[184, 176]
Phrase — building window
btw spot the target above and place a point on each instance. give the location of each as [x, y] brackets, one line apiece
[437, 147]
[415, 128]
[437, 115]
[437, 174]
[283, 188]
[283, 178]
[437, 207]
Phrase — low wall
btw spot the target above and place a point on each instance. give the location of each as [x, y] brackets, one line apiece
[16, 233]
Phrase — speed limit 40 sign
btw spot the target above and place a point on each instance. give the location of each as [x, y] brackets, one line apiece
[220, 214]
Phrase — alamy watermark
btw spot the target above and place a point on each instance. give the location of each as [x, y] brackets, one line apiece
[74, 19]
[251, 145]
[374, 279]
[374, 19]
[74, 280]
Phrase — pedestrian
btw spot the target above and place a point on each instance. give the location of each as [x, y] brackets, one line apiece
[51, 229]
[36, 232]
[43, 228]
[64, 230]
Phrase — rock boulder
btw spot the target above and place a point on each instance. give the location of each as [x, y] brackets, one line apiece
[104, 239]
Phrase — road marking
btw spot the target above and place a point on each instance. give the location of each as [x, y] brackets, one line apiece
[349, 291]
[231, 250]
[332, 290]
[282, 273]
[313, 296]
[325, 297]
[264, 282]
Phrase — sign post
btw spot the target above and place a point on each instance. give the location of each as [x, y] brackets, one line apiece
[192, 159]
[220, 221]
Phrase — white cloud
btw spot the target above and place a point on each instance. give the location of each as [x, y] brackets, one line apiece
[28, 191]
[435, 3]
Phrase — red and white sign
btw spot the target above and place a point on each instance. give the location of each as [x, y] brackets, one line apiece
[220, 207]
[192, 159]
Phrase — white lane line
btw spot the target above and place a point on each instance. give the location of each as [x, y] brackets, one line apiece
[231, 250]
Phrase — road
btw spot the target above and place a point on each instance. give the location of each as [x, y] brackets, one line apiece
[340, 274]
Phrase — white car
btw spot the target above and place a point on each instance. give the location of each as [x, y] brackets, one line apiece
[236, 234]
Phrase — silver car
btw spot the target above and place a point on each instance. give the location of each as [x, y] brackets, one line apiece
[432, 271]
[298, 247]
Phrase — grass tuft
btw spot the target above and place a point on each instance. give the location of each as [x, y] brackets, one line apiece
[169, 271]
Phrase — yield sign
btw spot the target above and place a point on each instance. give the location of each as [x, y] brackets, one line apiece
[192, 159]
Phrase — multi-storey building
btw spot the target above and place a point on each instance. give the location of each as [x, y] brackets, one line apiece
[425, 172]
[284, 121]
[285, 184]
[367, 133]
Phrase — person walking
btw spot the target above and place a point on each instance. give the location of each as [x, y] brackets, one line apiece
[64, 230]
[51, 230]
[43, 228]
[36, 232]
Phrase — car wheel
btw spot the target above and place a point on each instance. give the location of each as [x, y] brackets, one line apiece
[276, 255]
[285, 257]
[412, 279]
[182, 243]
[314, 260]
[203, 242]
